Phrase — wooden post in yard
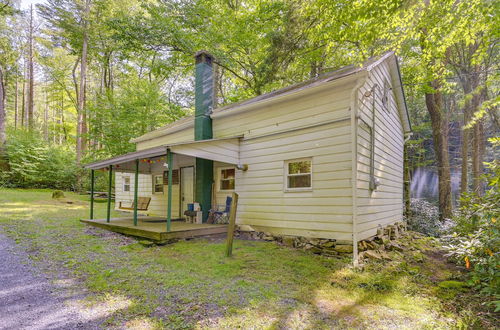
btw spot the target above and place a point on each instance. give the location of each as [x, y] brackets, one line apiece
[92, 181]
[170, 163]
[136, 189]
[232, 225]
[110, 182]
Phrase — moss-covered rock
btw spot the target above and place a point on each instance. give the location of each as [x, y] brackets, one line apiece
[452, 285]
[56, 194]
[146, 243]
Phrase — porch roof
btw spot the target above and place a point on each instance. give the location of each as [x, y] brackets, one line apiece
[223, 150]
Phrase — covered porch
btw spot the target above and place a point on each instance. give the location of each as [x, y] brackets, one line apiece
[178, 174]
[154, 228]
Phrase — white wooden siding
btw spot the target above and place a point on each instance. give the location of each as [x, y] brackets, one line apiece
[184, 135]
[225, 150]
[384, 205]
[323, 212]
[316, 108]
[127, 197]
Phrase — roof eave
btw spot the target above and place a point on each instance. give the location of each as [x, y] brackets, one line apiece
[165, 131]
[290, 95]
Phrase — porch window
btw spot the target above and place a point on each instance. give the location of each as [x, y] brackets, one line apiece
[126, 183]
[226, 179]
[298, 174]
[158, 183]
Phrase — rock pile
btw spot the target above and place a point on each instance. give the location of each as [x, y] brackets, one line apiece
[374, 248]
[327, 247]
[377, 246]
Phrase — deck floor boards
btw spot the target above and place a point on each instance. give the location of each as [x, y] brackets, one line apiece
[155, 229]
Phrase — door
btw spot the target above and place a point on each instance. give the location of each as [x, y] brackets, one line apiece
[187, 187]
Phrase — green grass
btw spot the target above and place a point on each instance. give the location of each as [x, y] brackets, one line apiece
[190, 284]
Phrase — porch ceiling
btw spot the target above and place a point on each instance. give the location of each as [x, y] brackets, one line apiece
[223, 150]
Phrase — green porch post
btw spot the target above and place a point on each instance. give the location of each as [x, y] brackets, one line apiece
[92, 180]
[110, 182]
[136, 189]
[169, 190]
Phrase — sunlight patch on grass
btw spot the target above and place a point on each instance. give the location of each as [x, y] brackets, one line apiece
[142, 323]
[104, 306]
[191, 284]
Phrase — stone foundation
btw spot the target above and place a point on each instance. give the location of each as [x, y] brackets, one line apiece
[374, 247]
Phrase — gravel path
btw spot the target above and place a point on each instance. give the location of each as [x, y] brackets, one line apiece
[29, 301]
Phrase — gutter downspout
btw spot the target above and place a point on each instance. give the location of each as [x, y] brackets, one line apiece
[354, 163]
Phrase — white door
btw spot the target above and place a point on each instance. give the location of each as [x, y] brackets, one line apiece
[187, 187]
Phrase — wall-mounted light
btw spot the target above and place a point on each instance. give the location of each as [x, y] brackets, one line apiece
[242, 167]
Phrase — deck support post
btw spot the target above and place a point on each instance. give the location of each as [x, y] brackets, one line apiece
[136, 189]
[170, 164]
[110, 182]
[92, 181]
[231, 226]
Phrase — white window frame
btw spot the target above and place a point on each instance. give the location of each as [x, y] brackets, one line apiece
[154, 184]
[124, 184]
[286, 175]
[219, 178]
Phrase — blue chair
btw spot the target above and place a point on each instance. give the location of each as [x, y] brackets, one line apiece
[221, 216]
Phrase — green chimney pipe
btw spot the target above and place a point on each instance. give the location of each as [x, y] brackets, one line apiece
[204, 85]
[203, 129]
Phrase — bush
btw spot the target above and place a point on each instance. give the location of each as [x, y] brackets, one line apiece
[424, 217]
[474, 241]
[34, 163]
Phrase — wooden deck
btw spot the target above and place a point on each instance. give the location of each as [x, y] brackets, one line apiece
[155, 228]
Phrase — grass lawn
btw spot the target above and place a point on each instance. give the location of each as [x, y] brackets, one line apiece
[190, 284]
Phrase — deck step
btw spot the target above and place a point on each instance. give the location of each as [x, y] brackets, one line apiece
[156, 231]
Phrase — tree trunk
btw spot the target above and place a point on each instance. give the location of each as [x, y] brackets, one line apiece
[3, 115]
[464, 183]
[478, 147]
[81, 126]
[31, 78]
[64, 136]
[3, 119]
[23, 103]
[46, 118]
[16, 110]
[439, 121]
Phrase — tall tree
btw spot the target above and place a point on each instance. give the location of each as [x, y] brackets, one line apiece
[3, 114]
[6, 62]
[30, 104]
[69, 25]
[81, 92]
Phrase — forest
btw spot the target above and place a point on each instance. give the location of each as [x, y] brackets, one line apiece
[80, 78]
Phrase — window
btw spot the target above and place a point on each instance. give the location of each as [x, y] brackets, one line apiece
[126, 183]
[158, 183]
[175, 177]
[298, 174]
[226, 179]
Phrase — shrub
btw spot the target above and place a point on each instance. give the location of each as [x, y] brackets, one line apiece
[34, 163]
[424, 217]
[474, 241]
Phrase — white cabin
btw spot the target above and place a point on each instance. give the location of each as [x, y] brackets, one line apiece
[322, 158]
